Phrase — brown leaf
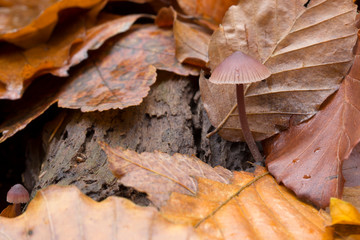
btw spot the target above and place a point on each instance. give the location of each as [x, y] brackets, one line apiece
[65, 213]
[211, 11]
[263, 210]
[191, 43]
[308, 158]
[16, 115]
[67, 47]
[159, 174]
[165, 17]
[351, 168]
[307, 49]
[120, 74]
[38, 19]
[352, 195]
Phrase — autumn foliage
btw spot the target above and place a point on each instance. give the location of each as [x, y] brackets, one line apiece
[83, 55]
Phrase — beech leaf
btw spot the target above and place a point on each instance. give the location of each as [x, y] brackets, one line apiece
[121, 72]
[159, 174]
[191, 43]
[308, 158]
[59, 212]
[67, 47]
[307, 49]
[263, 210]
[210, 12]
[38, 19]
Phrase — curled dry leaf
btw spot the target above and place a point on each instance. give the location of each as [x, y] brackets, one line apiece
[67, 47]
[159, 174]
[264, 210]
[209, 12]
[191, 43]
[66, 213]
[120, 73]
[308, 158]
[308, 50]
[38, 19]
[15, 115]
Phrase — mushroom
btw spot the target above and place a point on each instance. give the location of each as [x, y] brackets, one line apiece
[241, 69]
[17, 195]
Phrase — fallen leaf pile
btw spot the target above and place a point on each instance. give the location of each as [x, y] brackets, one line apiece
[81, 55]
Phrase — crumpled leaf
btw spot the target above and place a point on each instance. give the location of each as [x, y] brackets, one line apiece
[159, 174]
[38, 19]
[191, 43]
[264, 210]
[308, 50]
[210, 11]
[352, 195]
[120, 74]
[65, 213]
[308, 158]
[67, 47]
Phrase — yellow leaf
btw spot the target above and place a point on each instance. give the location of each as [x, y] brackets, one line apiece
[343, 212]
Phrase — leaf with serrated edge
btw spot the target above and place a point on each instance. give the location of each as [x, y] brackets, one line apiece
[308, 51]
[59, 212]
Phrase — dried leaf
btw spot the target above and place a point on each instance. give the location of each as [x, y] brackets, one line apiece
[343, 212]
[263, 210]
[9, 212]
[308, 50]
[120, 74]
[165, 17]
[159, 174]
[211, 11]
[16, 115]
[38, 19]
[308, 158]
[351, 168]
[191, 43]
[352, 195]
[66, 213]
[67, 46]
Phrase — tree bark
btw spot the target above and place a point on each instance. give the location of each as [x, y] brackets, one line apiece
[171, 119]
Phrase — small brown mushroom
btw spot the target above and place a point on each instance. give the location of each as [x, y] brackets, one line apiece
[17, 195]
[241, 69]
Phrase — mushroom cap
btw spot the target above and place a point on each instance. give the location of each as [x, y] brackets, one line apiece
[239, 68]
[17, 194]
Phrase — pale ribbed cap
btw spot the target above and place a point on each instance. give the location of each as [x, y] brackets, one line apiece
[239, 68]
[17, 194]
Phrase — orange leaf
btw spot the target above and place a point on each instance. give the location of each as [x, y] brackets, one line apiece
[210, 11]
[38, 19]
[67, 46]
[308, 158]
[65, 213]
[120, 74]
[263, 210]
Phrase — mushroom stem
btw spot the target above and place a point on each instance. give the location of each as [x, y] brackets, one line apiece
[244, 123]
